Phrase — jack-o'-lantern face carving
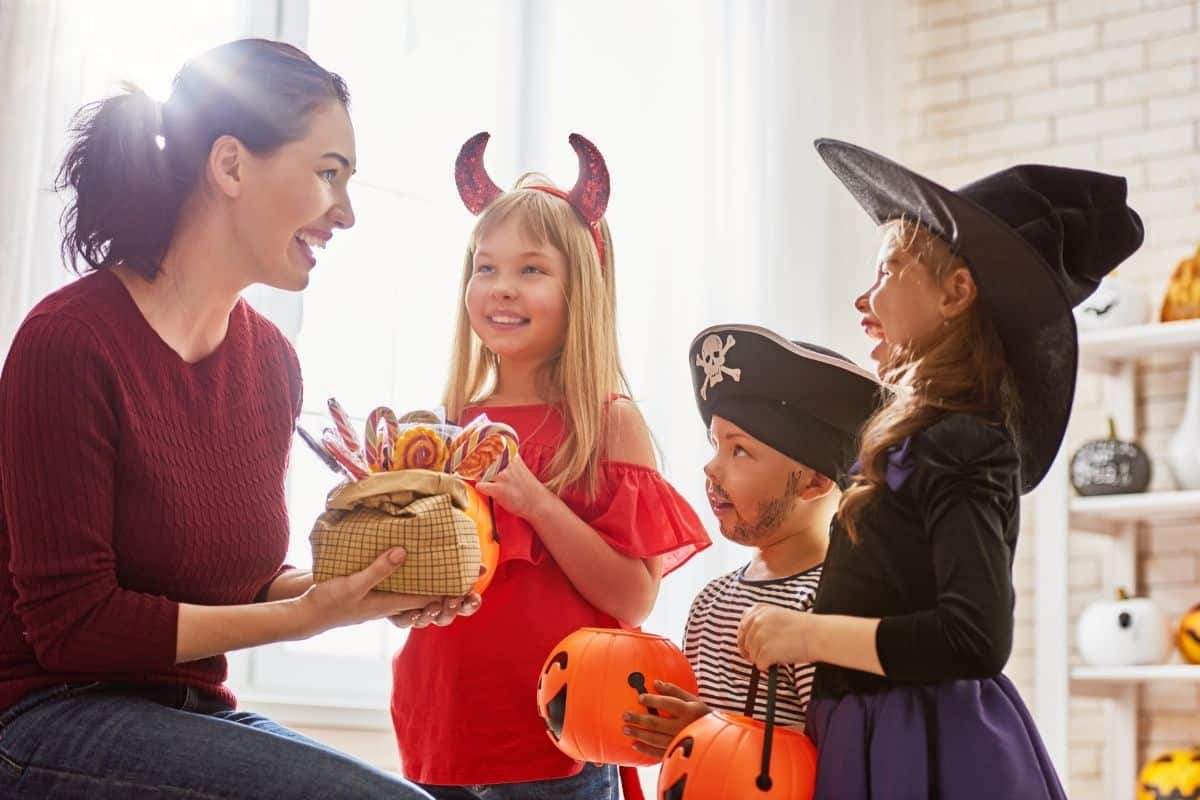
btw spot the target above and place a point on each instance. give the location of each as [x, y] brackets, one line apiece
[1189, 636]
[592, 678]
[1171, 776]
[721, 757]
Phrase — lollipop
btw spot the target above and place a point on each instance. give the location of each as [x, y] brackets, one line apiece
[465, 443]
[419, 447]
[421, 415]
[488, 458]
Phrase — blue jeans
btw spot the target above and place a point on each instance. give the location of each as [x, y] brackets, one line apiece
[99, 741]
[594, 783]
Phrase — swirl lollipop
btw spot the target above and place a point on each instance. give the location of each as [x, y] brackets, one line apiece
[488, 458]
[419, 447]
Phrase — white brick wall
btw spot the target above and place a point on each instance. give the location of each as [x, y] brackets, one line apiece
[1105, 84]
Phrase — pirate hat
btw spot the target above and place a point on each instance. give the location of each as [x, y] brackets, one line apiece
[1037, 240]
[802, 400]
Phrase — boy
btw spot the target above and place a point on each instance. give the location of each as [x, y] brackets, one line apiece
[783, 418]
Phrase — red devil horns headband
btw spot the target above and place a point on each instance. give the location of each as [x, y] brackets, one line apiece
[589, 197]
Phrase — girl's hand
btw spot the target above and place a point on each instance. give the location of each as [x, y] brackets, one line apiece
[517, 489]
[770, 635]
[440, 613]
[652, 734]
[351, 599]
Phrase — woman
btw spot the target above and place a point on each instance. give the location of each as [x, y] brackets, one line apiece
[147, 415]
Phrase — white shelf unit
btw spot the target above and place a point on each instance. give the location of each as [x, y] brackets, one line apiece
[1059, 513]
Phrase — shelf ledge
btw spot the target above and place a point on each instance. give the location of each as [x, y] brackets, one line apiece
[1105, 350]
[1108, 681]
[1107, 513]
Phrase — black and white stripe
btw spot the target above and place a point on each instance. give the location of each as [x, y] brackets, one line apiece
[710, 643]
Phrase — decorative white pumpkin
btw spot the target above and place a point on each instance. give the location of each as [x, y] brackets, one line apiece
[1115, 304]
[1123, 632]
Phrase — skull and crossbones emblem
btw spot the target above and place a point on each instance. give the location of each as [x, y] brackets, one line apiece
[712, 359]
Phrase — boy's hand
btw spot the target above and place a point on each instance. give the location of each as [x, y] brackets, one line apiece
[769, 634]
[652, 734]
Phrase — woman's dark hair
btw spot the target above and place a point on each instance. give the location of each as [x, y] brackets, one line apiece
[133, 161]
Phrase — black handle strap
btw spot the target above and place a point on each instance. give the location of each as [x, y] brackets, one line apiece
[763, 781]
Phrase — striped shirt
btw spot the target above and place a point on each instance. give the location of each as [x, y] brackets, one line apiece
[710, 643]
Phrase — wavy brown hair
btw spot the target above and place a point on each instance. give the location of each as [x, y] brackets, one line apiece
[961, 369]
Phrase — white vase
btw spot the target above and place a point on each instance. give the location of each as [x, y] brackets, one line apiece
[1183, 451]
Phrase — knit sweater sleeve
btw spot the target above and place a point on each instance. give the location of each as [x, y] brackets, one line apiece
[58, 454]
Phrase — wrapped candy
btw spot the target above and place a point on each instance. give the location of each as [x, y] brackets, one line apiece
[333, 444]
[421, 416]
[482, 451]
[419, 447]
[382, 430]
[345, 428]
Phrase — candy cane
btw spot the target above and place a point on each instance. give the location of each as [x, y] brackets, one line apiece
[345, 427]
[337, 448]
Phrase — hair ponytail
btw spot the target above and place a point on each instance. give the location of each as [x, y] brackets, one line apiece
[124, 205]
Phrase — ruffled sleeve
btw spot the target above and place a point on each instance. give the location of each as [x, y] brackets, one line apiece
[964, 482]
[636, 512]
[640, 515]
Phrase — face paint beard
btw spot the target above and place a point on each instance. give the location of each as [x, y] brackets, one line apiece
[771, 514]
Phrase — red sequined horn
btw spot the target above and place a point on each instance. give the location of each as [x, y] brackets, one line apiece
[475, 186]
[590, 194]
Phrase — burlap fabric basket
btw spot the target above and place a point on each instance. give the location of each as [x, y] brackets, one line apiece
[419, 510]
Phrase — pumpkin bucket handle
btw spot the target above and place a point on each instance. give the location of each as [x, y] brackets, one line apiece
[763, 781]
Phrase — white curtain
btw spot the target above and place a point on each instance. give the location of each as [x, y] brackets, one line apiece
[40, 87]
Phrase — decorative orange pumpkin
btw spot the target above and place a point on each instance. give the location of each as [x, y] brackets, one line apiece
[489, 543]
[1171, 776]
[1189, 636]
[592, 678]
[1183, 292]
[724, 756]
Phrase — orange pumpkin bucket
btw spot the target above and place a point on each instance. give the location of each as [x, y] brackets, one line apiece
[593, 677]
[725, 756]
[479, 510]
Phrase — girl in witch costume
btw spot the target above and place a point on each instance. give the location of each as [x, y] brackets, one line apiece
[587, 525]
[971, 307]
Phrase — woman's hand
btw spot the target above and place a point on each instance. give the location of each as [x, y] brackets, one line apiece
[351, 599]
[770, 634]
[441, 612]
[518, 490]
[652, 734]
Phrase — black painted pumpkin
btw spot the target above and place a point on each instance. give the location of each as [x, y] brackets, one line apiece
[1110, 466]
[1171, 776]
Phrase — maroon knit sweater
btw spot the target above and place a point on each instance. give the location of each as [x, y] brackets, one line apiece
[130, 482]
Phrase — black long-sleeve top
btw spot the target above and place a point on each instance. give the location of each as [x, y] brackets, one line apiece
[933, 561]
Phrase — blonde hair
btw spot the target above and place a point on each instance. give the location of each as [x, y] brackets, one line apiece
[582, 376]
[962, 370]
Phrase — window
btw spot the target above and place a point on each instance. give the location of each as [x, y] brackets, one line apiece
[375, 324]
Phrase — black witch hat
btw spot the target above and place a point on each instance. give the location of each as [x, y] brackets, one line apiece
[1037, 240]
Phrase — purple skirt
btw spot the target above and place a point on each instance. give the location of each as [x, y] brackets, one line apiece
[961, 739]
